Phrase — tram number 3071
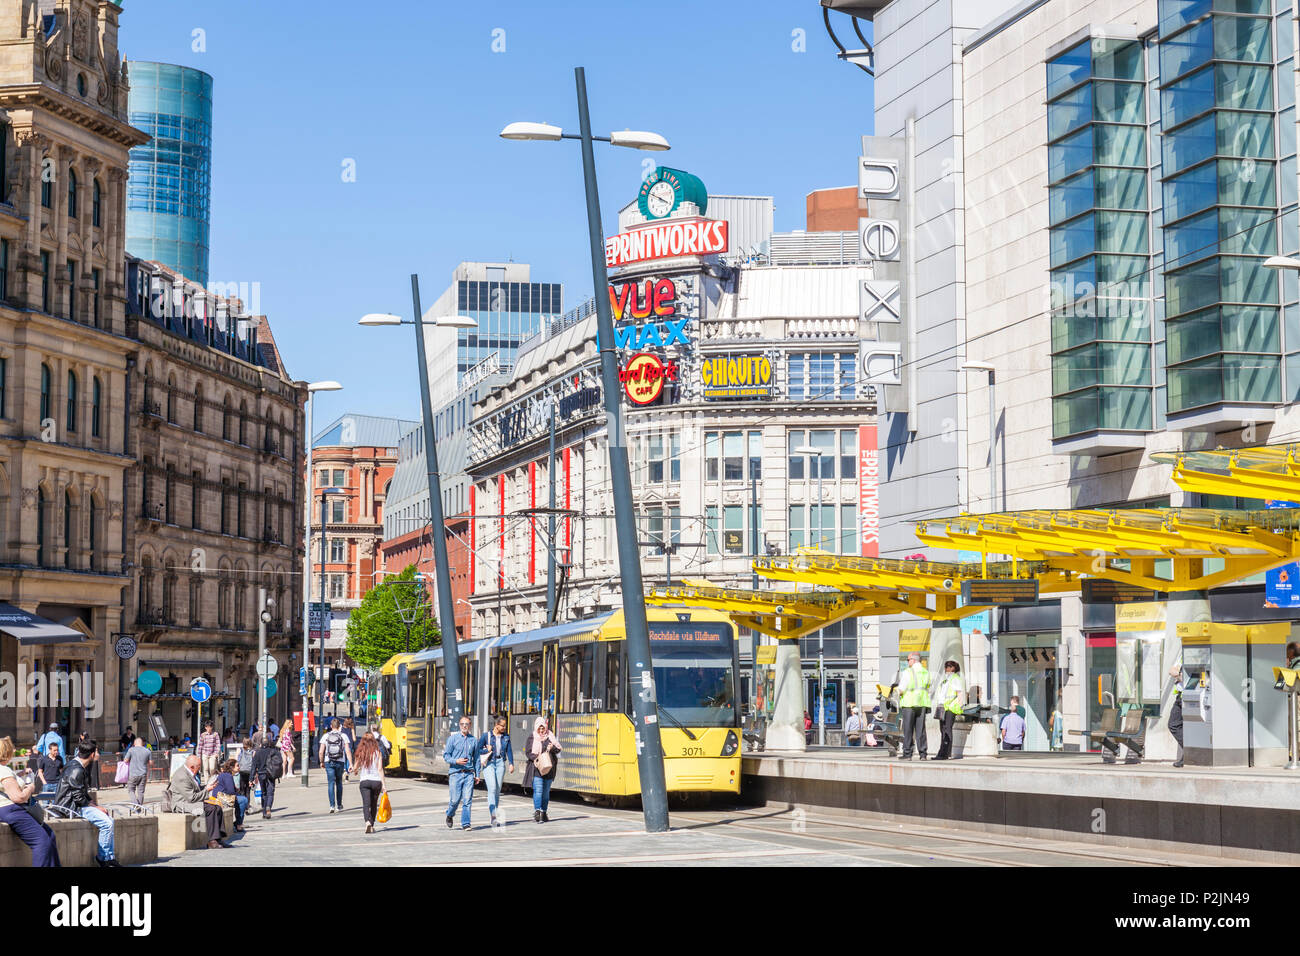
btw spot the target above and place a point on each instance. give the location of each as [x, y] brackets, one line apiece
[692, 751]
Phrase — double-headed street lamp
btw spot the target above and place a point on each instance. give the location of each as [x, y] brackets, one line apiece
[312, 389]
[814, 454]
[991, 638]
[645, 708]
[446, 605]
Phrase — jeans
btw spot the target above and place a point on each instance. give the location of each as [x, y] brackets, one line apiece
[541, 792]
[268, 792]
[135, 787]
[370, 790]
[461, 785]
[45, 851]
[241, 807]
[945, 735]
[1007, 746]
[334, 770]
[105, 824]
[494, 774]
[913, 725]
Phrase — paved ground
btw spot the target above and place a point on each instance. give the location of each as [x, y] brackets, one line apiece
[303, 833]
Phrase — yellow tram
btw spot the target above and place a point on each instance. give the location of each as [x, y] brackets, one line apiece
[579, 677]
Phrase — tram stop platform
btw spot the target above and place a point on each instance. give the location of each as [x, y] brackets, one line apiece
[1228, 814]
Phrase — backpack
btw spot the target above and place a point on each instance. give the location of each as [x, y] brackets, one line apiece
[274, 765]
[245, 760]
[334, 746]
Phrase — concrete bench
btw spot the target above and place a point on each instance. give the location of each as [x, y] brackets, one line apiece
[178, 832]
[76, 839]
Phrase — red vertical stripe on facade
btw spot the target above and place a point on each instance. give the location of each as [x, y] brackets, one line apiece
[568, 522]
[473, 525]
[501, 539]
[532, 523]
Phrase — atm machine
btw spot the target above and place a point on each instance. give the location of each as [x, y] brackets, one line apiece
[1228, 718]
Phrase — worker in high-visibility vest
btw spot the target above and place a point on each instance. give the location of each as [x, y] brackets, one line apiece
[951, 698]
[914, 701]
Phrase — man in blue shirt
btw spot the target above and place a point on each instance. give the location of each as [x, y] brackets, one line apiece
[49, 737]
[1013, 728]
[460, 755]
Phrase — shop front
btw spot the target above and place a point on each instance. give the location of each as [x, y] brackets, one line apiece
[1032, 666]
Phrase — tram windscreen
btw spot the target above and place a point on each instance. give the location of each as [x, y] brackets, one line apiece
[695, 675]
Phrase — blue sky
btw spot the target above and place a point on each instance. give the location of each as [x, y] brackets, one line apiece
[413, 92]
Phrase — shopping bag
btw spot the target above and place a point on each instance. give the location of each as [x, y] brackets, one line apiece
[385, 808]
[123, 768]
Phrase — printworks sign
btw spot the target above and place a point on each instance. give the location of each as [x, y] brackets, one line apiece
[737, 376]
[667, 240]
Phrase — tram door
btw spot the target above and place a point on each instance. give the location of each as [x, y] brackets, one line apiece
[550, 665]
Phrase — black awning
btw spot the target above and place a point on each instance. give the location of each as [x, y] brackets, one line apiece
[34, 629]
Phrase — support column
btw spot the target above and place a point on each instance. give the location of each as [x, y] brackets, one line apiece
[785, 732]
[1183, 607]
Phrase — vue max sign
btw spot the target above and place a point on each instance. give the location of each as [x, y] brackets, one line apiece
[651, 299]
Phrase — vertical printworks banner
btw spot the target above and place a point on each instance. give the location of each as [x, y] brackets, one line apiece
[869, 491]
[1282, 585]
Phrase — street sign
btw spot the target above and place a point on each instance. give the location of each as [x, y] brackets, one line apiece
[302, 681]
[200, 690]
[271, 687]
[149, 682]
[1000, 592]
[125, 647]
[267, 666]
[318, 615]
[765, 654]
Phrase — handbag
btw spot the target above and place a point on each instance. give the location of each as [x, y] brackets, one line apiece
[385, 812]
[544, 763]
[123, 768]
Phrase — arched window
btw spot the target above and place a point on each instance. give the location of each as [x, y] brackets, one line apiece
[169, 599]
[72, 194]
[198, 409]
[47, 190]
[196, 601]
[171, 399]
[241, 599]
[46, 398]
[92, 545]
[42, 516]
[72, 402]
[69, 529]
[145, 601]
[243, 423]
[225, 419]
[95, 196]
[96, 406]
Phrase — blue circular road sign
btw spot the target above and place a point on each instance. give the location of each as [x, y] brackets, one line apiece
[200, 690]
[271, 687]
[149, 682]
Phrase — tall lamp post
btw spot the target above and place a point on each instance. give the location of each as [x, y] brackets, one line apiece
[814, 454]
[438, 530]
[989, 694]
[650, 763]
[312, 389]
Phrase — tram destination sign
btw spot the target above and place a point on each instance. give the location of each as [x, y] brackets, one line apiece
[1000, 592]
[1102, 591]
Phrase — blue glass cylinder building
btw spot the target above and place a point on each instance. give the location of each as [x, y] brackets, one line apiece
[170, 185]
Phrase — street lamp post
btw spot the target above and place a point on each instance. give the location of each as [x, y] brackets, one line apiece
[815, 454]
[989, 694]
[650, 763]
[438, 529]
[312, 389]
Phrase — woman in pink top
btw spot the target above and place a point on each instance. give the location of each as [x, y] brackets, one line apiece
[286, 747]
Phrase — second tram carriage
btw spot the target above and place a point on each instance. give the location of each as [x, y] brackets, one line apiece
[579, 677]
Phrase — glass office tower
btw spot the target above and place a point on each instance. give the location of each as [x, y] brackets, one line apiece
[169, 190]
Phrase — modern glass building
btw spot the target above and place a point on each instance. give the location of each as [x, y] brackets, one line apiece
[1171, 178]
[170, 185]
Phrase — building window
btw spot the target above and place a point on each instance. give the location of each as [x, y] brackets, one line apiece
[243, 423]
[196, 499]
[4, 268]
[47, 190]
[4, 378]
[72, 402]
[323, 479]
[45, 282]
[95, 197]
[838, 449]
[822, 376]
[337, 507]
[96, 406]
[336, 582]
[827, 527]
[46, 398]
[69, 526]
[171, 399]
[338, 478]
[755, 455]
[169, 492]
[225, 507]
[196, 601]
[72, 289]
[239, 510]
[94, 543]
[733, 456]
[95, 276]
[198, 409]
[338, 550]
[42, 520]
[72, 194]
[225, 419]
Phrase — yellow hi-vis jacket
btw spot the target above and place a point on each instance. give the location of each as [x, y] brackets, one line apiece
[953, 691]
[914, 687]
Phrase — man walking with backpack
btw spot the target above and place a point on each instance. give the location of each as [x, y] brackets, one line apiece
[268, 765]
[336, 757]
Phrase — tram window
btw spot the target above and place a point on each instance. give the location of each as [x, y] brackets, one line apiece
[470, 683]
[499, 684]
[388, 701]
[417, 695]
[576, 674]
[614, 677]
[440, 699]
[550, 666]
[526, 696]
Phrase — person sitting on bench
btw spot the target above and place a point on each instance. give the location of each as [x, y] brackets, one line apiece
[187, 794]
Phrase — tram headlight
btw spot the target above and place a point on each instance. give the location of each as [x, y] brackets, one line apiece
[732, 744]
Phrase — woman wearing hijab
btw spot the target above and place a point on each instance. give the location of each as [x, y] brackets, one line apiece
[543, 753]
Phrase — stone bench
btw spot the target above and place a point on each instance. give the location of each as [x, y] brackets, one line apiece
[178, 832]
[76, 839]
